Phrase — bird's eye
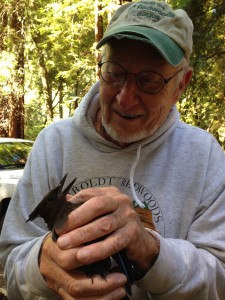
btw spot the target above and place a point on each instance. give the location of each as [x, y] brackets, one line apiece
[50, 198]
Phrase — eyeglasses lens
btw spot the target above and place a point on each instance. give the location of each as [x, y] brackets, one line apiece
[148, 82]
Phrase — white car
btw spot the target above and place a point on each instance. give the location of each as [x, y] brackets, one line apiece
[13, 157]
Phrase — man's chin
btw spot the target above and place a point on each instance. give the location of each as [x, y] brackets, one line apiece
[124, 138]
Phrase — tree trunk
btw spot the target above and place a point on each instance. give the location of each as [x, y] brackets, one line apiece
[16, 113]
[98, 26]
[46, 82]
[16, 117]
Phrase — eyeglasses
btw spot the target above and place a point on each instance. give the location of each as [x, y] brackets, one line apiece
[148, 81]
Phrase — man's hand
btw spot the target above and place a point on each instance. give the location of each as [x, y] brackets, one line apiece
[70, 283]
[106, 212]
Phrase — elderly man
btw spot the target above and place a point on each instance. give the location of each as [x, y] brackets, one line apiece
[127, 149]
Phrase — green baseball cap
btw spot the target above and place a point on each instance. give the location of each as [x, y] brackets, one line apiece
[154, 22]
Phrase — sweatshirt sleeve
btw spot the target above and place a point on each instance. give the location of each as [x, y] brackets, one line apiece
[20, 242]
[194, 267]
[185, 272]
[24, 279]
[20, 247]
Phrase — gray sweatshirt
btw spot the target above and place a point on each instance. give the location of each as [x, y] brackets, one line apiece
[179, 176]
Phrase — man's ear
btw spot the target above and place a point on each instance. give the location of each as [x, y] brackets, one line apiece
[186, 79]
[98, 72]
[184, 82]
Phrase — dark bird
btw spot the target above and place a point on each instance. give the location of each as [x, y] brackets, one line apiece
[54, 209]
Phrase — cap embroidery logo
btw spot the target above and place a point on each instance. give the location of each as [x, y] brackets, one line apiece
[150, 10]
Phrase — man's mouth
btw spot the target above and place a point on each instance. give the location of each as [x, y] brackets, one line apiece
[129, 116]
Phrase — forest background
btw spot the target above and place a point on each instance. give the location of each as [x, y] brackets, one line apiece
[48, 61]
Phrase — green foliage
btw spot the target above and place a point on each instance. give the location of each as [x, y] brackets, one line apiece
[58, 37]
[62, 46]
[203, 104]
[14, 153]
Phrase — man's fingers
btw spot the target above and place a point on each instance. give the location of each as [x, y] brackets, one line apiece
[87, 194]
[75, 284]
[97, 286]
[97, 217]
[79, 286]
[116, 294]
[64, 295]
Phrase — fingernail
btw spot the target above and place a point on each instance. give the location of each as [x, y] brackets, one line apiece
[119, 278]
[122, 279]
[120, 293]
[83, 254]
[63, 242]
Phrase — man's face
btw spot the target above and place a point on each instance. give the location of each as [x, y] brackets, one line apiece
[128, 113]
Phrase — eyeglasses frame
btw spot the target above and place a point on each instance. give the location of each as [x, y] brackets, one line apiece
[165, 80]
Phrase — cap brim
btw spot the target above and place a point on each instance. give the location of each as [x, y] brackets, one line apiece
[162, 42]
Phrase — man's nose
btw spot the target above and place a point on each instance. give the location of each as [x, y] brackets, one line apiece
[128, 95]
